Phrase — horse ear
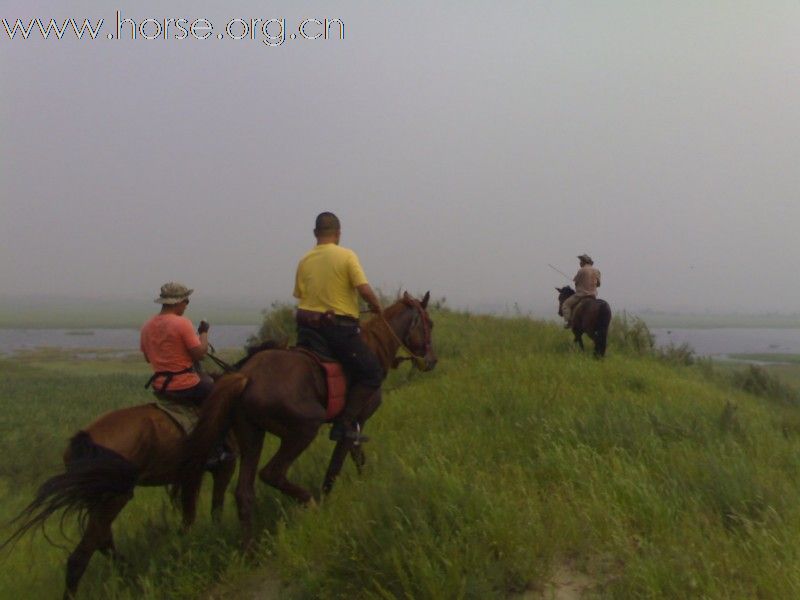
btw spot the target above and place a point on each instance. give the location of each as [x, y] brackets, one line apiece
[405, 296]
[425, 299]
[558, 289]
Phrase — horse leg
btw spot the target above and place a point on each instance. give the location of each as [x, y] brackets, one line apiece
[222, 477]
[96, 537]
[251, 441]
[293, 442]
[358, 456]
[579, 340]
[344, 446]
[340, 451]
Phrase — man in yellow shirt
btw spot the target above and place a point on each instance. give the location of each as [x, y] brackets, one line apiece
[328, 283]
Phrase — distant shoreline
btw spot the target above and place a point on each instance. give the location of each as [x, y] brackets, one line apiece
[55, 313]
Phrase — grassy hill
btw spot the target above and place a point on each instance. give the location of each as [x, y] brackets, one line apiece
[516, 460]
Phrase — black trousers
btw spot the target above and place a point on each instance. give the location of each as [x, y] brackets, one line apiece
[360, 363]
[195, 394]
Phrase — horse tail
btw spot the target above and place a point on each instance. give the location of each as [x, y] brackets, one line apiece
[211, 427]
[601, 328]
[94, 475]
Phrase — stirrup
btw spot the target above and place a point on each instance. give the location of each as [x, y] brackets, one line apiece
[358, 438]
[219, 458]
[340, 431]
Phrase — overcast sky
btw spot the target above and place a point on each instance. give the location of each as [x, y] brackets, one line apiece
[463, 145]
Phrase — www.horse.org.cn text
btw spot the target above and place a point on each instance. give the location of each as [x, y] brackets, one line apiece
[271, 32]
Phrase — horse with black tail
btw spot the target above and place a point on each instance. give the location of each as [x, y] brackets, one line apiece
[591, 316]
[284, 392]
[104, 462]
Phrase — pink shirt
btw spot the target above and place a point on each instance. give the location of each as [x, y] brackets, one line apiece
[165, 342]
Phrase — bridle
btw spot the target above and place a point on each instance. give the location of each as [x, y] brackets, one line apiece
[419, 361]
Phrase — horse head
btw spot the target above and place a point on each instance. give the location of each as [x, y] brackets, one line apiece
[563, 294]
[414, 330]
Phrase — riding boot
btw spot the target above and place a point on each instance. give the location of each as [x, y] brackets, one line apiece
[346, 425]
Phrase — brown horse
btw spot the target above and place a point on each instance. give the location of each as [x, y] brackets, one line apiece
[591, 316]
[284, 392]
[140, 445]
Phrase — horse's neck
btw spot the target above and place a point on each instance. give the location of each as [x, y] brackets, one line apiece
[383, 342]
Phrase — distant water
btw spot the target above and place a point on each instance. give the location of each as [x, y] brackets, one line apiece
[721, 341]
[16, 340]
[706, 342]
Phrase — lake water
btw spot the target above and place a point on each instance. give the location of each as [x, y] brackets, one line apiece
[16, 340]
[706, 342]
[721, 341]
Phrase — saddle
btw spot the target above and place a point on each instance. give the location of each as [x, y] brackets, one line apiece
[184, 414]
[583, 302]
[334, 377]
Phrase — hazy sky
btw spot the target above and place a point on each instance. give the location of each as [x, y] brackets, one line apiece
[464, 145]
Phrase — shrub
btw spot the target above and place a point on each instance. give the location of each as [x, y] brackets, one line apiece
[631, 334]
[677, 355]
[758, 381]
[278, 324]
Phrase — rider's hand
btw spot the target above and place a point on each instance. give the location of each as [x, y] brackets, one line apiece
[203, 327]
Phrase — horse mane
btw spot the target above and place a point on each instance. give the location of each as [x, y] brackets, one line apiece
[256, 348]
[377, 332]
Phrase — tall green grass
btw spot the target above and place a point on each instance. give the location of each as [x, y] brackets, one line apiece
[516, 457]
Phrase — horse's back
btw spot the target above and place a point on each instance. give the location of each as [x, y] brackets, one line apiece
[595, 307]
[284, 383]
[138, 434]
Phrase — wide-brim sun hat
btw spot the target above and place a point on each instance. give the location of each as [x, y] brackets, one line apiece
[586, 258]
[173, 293]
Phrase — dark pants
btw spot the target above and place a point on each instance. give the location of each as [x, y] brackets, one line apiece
[360, 363]
[194, 395]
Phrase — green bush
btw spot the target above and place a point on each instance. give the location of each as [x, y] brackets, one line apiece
[277, 324]
[677, 355]
[631, 334]
[758, 381]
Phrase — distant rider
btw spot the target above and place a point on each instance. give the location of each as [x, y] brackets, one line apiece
[328, 283]
[587, 280]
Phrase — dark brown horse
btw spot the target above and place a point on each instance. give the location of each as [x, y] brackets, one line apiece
[140, 445]
[591, 316]
[284, 392]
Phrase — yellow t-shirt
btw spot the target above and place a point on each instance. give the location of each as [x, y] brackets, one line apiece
[326, 279]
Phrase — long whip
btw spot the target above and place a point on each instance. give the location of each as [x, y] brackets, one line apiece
[560, 272]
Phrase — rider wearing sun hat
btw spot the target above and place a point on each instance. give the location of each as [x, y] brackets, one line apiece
[587, 280]
[169, 343]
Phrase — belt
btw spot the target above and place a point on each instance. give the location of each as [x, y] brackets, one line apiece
[315, 320]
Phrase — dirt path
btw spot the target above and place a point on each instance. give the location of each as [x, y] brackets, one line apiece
[565, 584]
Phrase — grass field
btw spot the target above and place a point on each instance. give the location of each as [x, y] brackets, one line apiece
[515, 460]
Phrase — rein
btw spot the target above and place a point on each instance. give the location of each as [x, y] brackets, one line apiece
[218, 361]
[419, 361]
